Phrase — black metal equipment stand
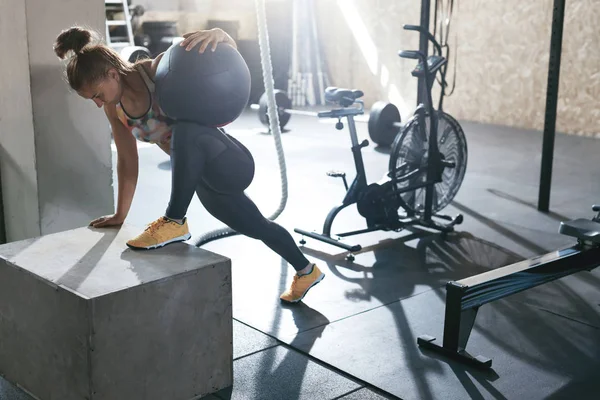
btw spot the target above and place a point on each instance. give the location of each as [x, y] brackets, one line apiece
[423, 47]
[558, 17]
[464, 297]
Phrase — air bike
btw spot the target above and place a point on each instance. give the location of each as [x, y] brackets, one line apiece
[427, 161]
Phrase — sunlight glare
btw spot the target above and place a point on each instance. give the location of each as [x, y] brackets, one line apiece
[360, 32]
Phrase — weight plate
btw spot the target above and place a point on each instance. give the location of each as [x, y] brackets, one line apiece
[282, 101]
[381, 120]
[134, 53]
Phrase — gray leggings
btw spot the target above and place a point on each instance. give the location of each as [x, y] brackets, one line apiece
[219, 168]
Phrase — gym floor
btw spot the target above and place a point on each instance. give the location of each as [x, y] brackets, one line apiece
[354, 336]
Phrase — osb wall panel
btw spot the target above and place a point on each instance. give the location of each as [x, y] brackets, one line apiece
[579, 96]
[502, 65]
[502, 62]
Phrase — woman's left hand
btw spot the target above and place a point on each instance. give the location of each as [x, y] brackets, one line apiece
[208, 37]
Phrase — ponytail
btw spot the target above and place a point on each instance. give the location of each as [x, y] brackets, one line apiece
[90, 61]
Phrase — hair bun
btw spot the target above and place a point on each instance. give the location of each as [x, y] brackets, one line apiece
[73, 39]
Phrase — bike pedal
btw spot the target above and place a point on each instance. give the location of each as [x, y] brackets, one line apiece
[336, 174]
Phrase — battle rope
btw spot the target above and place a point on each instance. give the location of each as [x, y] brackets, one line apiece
[267, 68]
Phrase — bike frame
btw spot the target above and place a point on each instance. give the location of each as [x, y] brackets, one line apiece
[359, 184]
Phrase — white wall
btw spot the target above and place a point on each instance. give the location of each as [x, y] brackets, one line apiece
[178, 5]
[192, 15]
[56, 156]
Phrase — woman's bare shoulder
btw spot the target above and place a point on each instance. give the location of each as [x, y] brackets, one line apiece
[151, 65]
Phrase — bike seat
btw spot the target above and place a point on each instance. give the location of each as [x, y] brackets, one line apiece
[584, 229]
[343, 97]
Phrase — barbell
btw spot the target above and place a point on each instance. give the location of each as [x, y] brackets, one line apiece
[383, 124]
[284, 109]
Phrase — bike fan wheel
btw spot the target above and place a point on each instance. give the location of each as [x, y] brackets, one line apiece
[409, 158]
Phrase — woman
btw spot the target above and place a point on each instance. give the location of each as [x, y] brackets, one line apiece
[126, 93]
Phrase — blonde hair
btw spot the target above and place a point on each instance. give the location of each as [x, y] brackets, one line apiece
[90, 61]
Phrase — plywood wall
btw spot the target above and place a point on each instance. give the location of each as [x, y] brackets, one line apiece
[502, 65]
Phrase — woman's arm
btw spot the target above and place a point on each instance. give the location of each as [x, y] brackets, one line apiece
[127, 162]
[214, 36]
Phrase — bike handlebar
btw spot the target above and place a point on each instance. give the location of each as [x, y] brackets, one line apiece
[422, 30]
[413, 54]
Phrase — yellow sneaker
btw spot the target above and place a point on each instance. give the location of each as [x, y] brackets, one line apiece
[301, 285]
[160, 233]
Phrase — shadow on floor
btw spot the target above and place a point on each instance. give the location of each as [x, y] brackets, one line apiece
[274, 369]
[544, 343]
[165, 165]
[525, 242]
[510, 197]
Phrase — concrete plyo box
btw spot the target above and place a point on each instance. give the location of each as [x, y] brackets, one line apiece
[82, 316]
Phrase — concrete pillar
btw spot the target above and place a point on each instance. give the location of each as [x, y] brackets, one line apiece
[17, 148]
[55, 156]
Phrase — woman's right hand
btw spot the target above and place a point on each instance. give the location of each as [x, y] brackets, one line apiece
[107, 220]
